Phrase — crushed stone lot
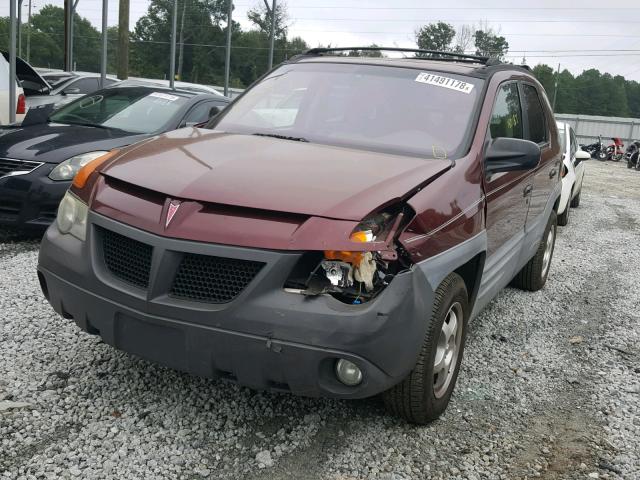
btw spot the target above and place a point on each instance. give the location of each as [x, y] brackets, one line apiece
[549, 387]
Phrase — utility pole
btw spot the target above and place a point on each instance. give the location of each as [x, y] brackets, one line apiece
[68, 9]
[555, 89]
[103, 60]
[227, 63]
[273, 34]
[73, 14]
[19, 28]
[181, 41]
[29, 34]
[12, 61]
[123, 39]
[172, 63]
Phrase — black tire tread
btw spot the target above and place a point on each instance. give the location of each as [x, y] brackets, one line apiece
[530, 277]
[406, 399]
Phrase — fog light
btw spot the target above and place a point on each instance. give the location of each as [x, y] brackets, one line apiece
[348, 372]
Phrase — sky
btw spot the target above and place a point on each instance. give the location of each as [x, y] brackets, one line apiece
[597, 34]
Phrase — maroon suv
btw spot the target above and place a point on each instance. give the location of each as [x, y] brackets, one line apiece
[331, 233]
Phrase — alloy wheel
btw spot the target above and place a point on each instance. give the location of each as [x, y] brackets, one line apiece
[447, 350]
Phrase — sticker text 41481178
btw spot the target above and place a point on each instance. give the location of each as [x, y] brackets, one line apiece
[446, 82]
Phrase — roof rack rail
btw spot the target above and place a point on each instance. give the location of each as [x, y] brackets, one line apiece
[433, 54]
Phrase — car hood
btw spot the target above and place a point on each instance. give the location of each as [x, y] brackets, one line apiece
[53, 143]
[272, 174]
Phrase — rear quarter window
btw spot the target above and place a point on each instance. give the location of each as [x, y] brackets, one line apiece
[535, 115]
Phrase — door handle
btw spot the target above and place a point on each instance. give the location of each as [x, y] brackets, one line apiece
[527, 190]
[552, 173]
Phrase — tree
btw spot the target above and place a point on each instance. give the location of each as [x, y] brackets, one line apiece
[261, 16]
[463, 39]
[545, 75]
[367, 53]
[435, 36]
[490, 44]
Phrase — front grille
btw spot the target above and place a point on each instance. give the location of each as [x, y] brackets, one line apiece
[126, 258]
[13, 167]
[210, 279]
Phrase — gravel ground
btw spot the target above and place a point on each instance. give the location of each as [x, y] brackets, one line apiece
[549, 386]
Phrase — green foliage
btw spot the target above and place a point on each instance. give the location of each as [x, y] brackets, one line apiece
[591, 92]
[261, 16]
[489, 44]
[436, 36]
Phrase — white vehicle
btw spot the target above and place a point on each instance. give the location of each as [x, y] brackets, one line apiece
[20, 106]
[572, 172]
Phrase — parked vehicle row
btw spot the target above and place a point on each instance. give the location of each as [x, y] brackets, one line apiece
[39, 161]
[40, 86]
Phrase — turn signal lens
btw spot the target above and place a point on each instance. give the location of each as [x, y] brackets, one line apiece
[80, 180]
[354, 258]
[362, 236]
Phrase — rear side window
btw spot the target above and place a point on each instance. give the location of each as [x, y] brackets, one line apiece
[85, 85]
[506, 118]
[535, 115]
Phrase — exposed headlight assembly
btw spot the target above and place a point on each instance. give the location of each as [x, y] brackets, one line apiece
[72, 216]
[67, 170]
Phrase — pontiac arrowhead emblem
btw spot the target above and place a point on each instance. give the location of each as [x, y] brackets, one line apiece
[171, 212]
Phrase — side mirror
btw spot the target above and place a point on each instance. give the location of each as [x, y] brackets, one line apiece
[214, 111]
[71, 91]
[581, 156]
[511, 154]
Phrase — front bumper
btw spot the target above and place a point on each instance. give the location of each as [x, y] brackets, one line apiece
[31, 200]
[265, 338]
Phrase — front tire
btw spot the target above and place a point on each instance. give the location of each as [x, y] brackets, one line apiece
[425, 393]
[534, 274]
[602, 155]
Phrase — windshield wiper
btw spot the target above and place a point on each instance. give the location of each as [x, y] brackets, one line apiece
[283, 137]
[95, 125]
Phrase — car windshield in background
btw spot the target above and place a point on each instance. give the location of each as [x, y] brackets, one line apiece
[396, 110]
[136, 110]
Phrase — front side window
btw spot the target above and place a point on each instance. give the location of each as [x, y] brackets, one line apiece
[380, 108]
[535, 115]
[506, 118]
[136, 110]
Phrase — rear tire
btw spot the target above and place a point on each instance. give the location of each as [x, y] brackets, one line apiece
[424, 394]
[575, 201]
[563, 218]
[602, 156]
[534, 274]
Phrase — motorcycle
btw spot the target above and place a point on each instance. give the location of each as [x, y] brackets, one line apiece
[632, 154]
[596, 149]
[615, 151]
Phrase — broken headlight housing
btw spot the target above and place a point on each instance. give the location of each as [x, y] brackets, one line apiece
[353, 276]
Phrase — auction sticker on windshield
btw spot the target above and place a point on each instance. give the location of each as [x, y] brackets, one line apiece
[446, 82]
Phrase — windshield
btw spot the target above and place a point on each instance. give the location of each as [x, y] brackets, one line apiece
[398, 110]
[136, 110]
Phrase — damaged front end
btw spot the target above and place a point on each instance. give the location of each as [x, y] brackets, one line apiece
[356, 276]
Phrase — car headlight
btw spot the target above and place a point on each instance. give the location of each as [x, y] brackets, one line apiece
[67, 170]
[72, 216]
